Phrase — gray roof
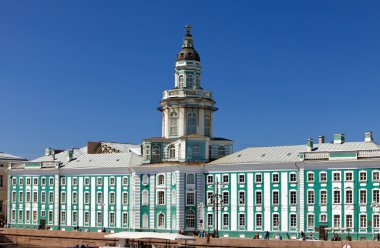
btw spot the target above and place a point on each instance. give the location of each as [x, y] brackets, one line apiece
[62, 156]
[286, 154]
[105, 160]
[7, 156]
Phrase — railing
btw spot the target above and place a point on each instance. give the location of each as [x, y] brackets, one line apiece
[187, 92]
[317, 156]
[369, 154]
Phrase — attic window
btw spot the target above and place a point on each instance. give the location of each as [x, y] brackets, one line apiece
[288, 154]
[263, 155]
[117, 159]
[239, 155]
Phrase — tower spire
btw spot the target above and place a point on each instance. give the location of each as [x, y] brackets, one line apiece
[188, 29]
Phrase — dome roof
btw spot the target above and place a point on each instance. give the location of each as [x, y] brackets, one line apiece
[188, 52]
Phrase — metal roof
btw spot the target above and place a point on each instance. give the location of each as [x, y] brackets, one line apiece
[286, 154]
[7, 156]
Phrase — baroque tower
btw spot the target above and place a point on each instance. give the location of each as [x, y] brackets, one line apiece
[187, 116]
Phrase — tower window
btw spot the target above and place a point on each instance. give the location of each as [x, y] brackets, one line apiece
[173, 123]
[191, 123]
[156, 152]
[221, 151]
[195, 150]
[207, 124]
[180, 81]
[189, 81]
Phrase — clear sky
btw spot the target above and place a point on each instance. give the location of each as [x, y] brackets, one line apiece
[281, 71]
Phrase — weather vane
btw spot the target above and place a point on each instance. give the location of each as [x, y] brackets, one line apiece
[188, 28]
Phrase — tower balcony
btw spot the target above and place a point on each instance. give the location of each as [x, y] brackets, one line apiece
[184, 93]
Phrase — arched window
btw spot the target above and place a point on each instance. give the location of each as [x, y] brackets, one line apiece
[145, 180]
[190, 179]
[161, 220]
[191, 123]
[145, 198]
[207, 124]
[174, 197]
[145, 221]
[195, 148]
[156, 152]
[147, 152]
[180, 81]
[160, 180]
[190, 219]
[221, 151]
[197, 81]
[189, 81]
[171, 151]
[173, 123]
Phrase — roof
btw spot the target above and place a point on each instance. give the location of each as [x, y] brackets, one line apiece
[290, 153]
[7, 156]
[149, 235]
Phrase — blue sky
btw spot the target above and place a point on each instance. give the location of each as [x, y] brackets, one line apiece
[281, 71]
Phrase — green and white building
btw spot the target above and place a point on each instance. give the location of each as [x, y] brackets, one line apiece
[188, 179]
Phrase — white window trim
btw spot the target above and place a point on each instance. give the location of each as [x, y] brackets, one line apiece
[279, 198]
[279, 220]
[261, 177]
[241, 174]
[278, 177]
[292, 173]
[373, 172]
[333, 176]
[320, 217]
[228, 179]
[307, 178]
[345, 176]
[366, 176]
[307, 219]
[307, 197]
[323, 172]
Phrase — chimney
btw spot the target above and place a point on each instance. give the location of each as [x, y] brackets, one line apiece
[309, 145]
[338, 138]
[48, 151]
[368, 137]
[70, 154]
[321, 139]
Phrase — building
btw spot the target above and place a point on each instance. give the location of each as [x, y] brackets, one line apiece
[112, 185]
[188, 179]
[5, 159]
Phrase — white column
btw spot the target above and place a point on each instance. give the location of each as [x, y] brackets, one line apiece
[250, 206]
[105, 197]
[152, 201]
[68, 202]
[284, 201]
[301, 199]
[267, 202]
[57, 186]
[80, 201]
[93, 206]
[118, 201]
[234, 202]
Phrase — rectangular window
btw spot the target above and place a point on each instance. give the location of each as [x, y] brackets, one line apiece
[349, 196]
[210, 179]
[241, 220]
[13, 215]
[51, 181]
[310, 177]
[258, 198]
[226, 221]
[275, 178]
[258, 178]
[276, 221]
[349, 221]
[43, 181]
[323, 177]
[209, 198]
[86, 198]
[35, 181]
[310, 220]
[27, 196]
[35, 196]
[323, 217]
[75, 217]
[13, 196]
[363, 197]
[293, 220]
[210, 220]
[375, 176]
[99, 181]
[99, 199]
[51, 197]
[376, 221]
[363, 176]
[112, 218]
[75, 197]
[20, 196]
[190, 198]
[50, 217]
[112, 198]
[112, 181]
[376, 196]
[161, 198]
[75, 181]
[241, 178]
[225, 179]
[275, 199]
[337, 221]
[27, 217]
[99, 218]
[63, 180]
[86, 181]
[28, 181]
[21, 181]
[125, 218]
[125, 181]
[86, 218]
[63, 197]
[336, 197]
[241, 198]
[310, 197]
[293, 198]
[63, 216]
[225, 198]
[363, 221]
[336, 176]
[20, 215]
[259, 220]
[349, 176]
[43, 214]
[125, 198]
[293, 177]
[323, 197]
